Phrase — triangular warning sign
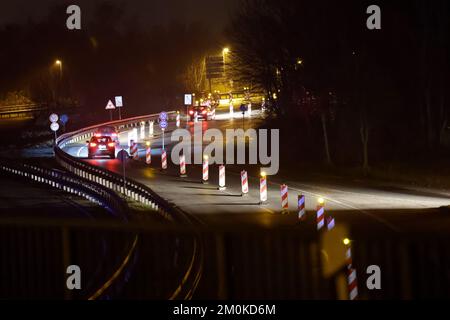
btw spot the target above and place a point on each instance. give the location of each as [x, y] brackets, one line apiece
[110, 106]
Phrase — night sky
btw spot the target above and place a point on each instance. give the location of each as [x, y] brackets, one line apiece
[149, 12]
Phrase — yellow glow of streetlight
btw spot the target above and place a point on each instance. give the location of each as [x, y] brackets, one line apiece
[58, 62]
[263, 174]
[321, 201]
[299, 61]
[226, 50]
[148, 143]
[346, 241]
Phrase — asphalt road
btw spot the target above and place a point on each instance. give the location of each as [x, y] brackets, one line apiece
[362, 206]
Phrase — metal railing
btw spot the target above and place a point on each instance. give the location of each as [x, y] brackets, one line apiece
[93, 192]
[128, 187]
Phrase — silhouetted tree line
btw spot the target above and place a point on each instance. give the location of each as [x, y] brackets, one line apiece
[358, 94]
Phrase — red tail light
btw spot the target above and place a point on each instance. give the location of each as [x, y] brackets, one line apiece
[204, 112]
[111, 144]
[93, 145]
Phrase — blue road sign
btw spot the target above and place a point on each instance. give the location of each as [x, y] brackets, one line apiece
[123, 156]
[163, 124]
[163, 116]
[64, 119]
[244, 108]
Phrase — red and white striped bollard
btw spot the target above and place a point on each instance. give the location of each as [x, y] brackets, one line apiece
[263, 189]
[244, 182]
[183, 166]
[205, 176]
[320, 217]
[222, 185]
[163, 160]
[148, 155]
[301, 208]
[352, 281]
[284, 199]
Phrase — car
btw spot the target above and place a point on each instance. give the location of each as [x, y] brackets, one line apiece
[108, 131]
[101, 146]
[203, 113]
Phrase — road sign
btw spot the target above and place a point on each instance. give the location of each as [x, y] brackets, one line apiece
[122, 156]
[163, 116]
[119, 102]
[53, 118]
[110, 106]
[54, 126]
[64, 119]
[188, 99]
[244, 108]
[163, 124]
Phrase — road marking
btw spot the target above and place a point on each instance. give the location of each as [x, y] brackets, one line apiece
[79, 151]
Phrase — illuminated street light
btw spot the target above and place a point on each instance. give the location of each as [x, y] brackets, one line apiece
[226, 51]
[148, 143]
[346, 241]
[321, 201]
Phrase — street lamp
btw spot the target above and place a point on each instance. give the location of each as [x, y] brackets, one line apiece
[58, 63]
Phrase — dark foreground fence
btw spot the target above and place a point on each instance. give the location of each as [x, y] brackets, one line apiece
[126, 261]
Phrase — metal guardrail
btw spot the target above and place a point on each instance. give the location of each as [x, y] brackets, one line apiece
[93, 192]
[129, 188]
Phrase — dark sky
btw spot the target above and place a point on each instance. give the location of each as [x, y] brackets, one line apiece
[149, 12]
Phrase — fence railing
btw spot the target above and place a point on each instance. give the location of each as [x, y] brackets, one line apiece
[128, 187]
[93, 192]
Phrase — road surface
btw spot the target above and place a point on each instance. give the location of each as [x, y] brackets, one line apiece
[359, 206]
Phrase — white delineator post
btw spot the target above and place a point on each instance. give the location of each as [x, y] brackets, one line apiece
[205, 176]
[151, 130]
[178, 120]
[263, 188]
[244, 182]
[164, 159]
[231, 111]
[301, 208]
[135, 134]
[142, 130]
[284, 199]
[183, 166]
[222, 178]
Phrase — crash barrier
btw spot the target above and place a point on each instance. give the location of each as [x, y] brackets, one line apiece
[129, 188]
[240, 263]
[93, 192]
